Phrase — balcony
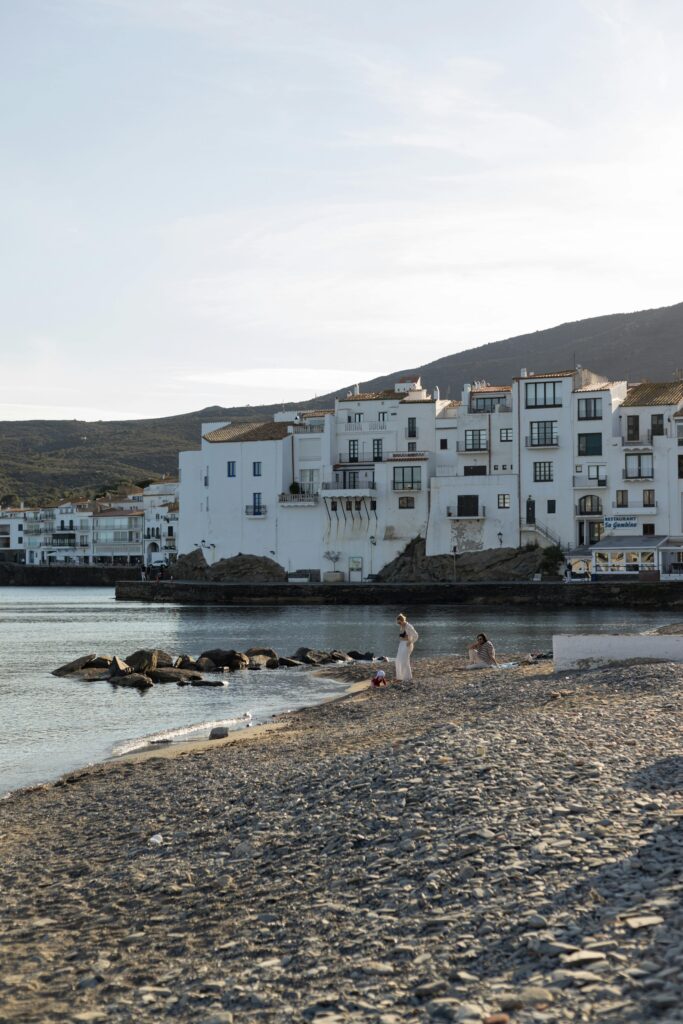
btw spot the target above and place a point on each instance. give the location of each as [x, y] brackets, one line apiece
[296, 500]
[63, 542]
[588, 483]
[403, 455]
[638, 442]
[589, 513]
[340, 485]
[407, 486]
[371, 427]
[364, 457]
[636, 509]
[469, 447]
[252, 511]
[542, 442]
[454, 513]
[302, 428]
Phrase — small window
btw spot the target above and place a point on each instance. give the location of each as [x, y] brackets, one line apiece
[381, 417]
[232, 469]
[648, 529]
[543, 472]
[358, 504]
[407, 502]
[474, 471]
[657, 424]
[443, 443]
[590, 444]
[506, 433]
[590, 408]
[551, 506]
[622, 499]
[358, 417]
[503, 501]
[412, 446]
[373, 504]
[256, 468]
[348, 505]
[333, 505]
[649, 498]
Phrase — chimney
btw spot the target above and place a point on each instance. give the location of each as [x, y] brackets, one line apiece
[437, 393]
[522, 372]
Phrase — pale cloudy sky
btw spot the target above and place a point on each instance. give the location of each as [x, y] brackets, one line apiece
[215, 202]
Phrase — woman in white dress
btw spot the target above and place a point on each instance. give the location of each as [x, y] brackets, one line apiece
[407, 639]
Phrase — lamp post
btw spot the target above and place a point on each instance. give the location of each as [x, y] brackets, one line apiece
[373, 541]
[500, 538]
[455, 552]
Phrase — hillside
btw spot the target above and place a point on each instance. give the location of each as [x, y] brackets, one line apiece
[43, 459]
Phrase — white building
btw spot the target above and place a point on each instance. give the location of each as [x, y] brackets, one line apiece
[549, 458]
[12, 535]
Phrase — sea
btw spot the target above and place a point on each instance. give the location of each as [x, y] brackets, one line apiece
[50, 725]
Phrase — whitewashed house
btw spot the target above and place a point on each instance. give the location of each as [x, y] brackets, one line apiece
[12, 535]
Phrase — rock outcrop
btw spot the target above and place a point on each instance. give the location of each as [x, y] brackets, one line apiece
[414, 566]
[239, 569]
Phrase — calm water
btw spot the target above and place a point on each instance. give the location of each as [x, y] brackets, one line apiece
[49, 726]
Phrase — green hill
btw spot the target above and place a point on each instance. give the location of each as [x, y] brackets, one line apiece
[45, 459]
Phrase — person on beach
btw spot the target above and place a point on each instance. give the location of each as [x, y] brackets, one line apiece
[379, 678]
[407, 639]
[482, 653]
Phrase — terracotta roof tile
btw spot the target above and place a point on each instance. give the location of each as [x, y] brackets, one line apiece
[550, 374]
[373, 396]
[648, 393]
[249, 432]
[486, 388]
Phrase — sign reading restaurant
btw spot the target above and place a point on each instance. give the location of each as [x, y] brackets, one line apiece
[620, 522]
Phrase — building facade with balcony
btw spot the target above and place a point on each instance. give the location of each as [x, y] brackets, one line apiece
[550, 458]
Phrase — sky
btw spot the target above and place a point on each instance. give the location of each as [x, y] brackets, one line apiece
[208, 202]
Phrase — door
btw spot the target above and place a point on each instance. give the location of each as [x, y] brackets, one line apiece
[530, 511]
[355, 570]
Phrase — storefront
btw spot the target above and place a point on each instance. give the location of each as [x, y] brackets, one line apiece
[626, 556]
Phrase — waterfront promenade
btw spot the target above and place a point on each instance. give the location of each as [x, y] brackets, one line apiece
[471, 846]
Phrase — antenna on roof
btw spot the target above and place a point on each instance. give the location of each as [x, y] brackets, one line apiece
[678, 373]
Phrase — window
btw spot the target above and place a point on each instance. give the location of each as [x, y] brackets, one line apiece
[381, 417]
[474, 471]
[373, 504]
[638, 467]
[412, 446]
[506, 433]
[633, 428]
[476, 440]
[348, 505]
[358, 417]
[680, 467]
[590, 408]
[353, 451]
[598, 473]
[377, 449]
[543, 395]
[232, 469]
[649, 498]
[468, 504]
[590, 444]
[552, 506]
[657, 424]
[406, 502]
[503, 501]
[590, 505]
[487, 404]
[648, 529]
[543, 472]
[358, 504]
[170, 531]
[256, 469]
[256, 502]
[443, 443]
[543, 432]
[412, 426]
[622, 499]
[333, 505]
[407, 478]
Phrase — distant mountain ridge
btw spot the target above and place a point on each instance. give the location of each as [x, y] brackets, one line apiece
[43, 459]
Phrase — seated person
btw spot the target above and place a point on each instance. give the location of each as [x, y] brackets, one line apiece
[482, 653]
[379, 678]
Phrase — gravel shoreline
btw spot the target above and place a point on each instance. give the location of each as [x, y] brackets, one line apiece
[472, 846]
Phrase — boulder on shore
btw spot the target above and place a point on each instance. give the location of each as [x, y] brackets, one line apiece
[204, 665]
[309, 656]
[340, 656]
[266, 652]
[219, 732]
[357, 656]
[74, 666]
[239, 569]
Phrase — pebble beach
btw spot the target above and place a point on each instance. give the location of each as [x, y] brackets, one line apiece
[493, 846]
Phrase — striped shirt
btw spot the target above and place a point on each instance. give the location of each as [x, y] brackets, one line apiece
[486, 652]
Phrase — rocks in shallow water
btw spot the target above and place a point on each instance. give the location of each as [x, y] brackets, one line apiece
[203, 681]
[340, 656]
[185, 661]
[357, 656]
[258, 661]
[141, 661]
[310, 656]
[74, 666]
[164, 659]
[173, 675]
[289, 663]
[91, 675]
[266, 652]
[234, 660]
[119, 667]
[101, 661]
[133, 679]
[205, 665]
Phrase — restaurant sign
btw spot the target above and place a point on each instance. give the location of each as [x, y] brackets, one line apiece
[621, 522]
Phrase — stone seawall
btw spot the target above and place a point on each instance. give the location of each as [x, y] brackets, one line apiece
[633, 595]
[12, 575]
